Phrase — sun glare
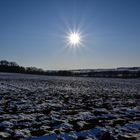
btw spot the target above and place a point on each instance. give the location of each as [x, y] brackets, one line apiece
[74, 38]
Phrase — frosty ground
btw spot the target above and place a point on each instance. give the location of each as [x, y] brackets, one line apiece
[69, 108]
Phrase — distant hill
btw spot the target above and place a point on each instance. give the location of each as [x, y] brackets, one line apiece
[122, 72]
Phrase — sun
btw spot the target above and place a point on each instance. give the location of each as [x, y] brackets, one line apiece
[74, 38]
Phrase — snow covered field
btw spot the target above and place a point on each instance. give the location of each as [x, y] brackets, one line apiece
[69, 108]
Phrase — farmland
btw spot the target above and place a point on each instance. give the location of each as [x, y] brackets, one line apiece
[70, 108]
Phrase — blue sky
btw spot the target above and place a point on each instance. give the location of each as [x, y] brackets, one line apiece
[33, 33]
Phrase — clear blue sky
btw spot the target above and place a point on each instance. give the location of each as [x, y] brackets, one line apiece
[32, 33]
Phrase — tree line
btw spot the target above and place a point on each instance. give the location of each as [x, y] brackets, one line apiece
[13, 67]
